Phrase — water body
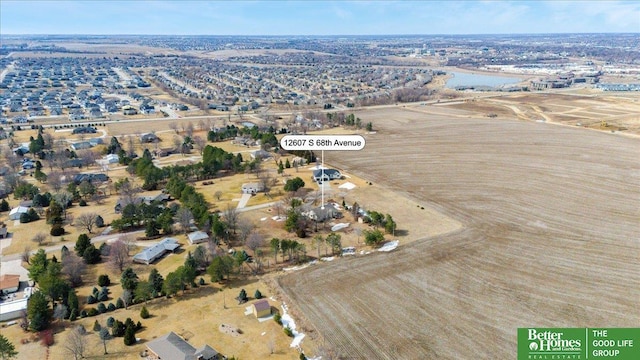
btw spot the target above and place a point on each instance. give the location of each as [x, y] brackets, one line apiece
[466, 79]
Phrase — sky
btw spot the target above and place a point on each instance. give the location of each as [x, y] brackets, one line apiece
[317, 17]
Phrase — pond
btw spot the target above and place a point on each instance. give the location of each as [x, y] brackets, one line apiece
[467, 79]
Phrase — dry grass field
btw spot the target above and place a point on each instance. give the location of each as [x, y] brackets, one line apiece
[549, 239]
[579, 107]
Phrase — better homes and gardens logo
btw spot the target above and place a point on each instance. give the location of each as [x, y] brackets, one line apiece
[578, 343]
[548, 343]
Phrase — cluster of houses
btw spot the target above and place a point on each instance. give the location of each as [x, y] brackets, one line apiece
[49, 87]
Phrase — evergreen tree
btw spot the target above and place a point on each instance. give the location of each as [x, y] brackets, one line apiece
[103, 280]
[38, 311]
[172, 284]
[91, 255]
[144, 313]
[7, 349]
[129, 279]
[242, 297]
[4, 205]
[156, 280]
[72, 301]
[81, 244]
[102, 308]
[39, 263]
[130, 335]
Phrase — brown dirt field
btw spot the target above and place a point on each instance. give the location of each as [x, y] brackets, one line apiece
[565, 109]
[550, 218]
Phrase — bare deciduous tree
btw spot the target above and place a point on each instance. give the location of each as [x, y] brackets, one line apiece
[200, 143]
[131, 147]
[54, 179]
[26, 254]
[76, 344]
[278, 207]
[255, 241]
[218, 195]
[87, 157]
[189, 129]
[177, 144]
[48, 140]
[246, 227]
[60, 312]
[73, 266]
[201, 125]
[126, 297]
[104, 337]
[39, 238]
[98, 197]
[173, 126]
[231, 216]
[87, 221]
[184, 217]
[119, 255]
[265, 181]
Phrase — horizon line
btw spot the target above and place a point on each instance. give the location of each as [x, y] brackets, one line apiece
[298, 35]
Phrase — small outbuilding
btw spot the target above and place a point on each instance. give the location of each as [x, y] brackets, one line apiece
[15, 213]
[197, 237]
[261, 308]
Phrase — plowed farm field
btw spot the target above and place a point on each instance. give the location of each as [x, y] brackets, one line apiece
[550, 238]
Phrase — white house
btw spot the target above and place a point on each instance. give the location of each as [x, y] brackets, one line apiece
[17, 211]
[322, 175]
[252, 188]
[10, 310]
[152, 253]
[108, 159]
[197, 237]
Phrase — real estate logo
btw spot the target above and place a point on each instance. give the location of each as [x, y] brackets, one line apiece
[578, 343]
[541, 343]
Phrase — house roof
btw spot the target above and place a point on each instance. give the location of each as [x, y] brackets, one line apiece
[9, 281]
[197, 235]
[327, 172]
[252, 186]
[151, 253]
[172, 346]
[206, 351]
[19, 209]
[262, 305]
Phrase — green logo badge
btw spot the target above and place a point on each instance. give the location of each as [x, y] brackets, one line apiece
[578, 343]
